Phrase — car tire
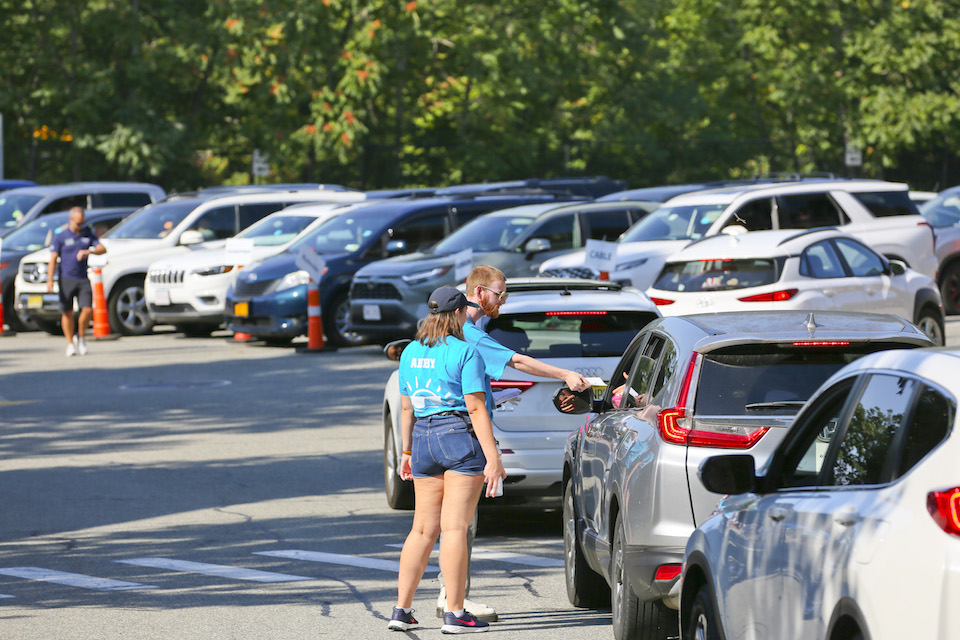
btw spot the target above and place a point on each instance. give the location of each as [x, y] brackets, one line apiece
[399, 492]
[931, 323]
[128, 308]
[633, 619]
[950, 289]
[702, 622]
[585, 587]
[10, 316]
[336, 321]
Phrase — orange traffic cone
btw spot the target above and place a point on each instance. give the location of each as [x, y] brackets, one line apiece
[240, 336]
[314, 322]
[101, 317]
[4, 333]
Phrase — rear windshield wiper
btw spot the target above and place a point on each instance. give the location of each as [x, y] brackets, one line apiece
[781, 404]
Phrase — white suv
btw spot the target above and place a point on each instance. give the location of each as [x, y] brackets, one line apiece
[879, 213]
[175, 226]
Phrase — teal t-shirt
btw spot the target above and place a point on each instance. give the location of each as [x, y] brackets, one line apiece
[495, 358]
[436, 378]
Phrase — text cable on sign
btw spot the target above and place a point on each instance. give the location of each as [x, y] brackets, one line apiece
[602, 257]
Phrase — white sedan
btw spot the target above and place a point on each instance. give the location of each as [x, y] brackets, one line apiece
[852, 529]
[815, 270]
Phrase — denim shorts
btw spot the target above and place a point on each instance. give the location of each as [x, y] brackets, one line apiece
[445, 443]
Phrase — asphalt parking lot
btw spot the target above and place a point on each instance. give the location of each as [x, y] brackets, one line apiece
[199, 488]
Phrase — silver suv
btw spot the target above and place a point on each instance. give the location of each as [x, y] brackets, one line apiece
[692, 386]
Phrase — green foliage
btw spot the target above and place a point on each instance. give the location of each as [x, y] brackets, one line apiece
[384, 93]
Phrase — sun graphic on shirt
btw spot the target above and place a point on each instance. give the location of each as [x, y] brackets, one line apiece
[423, 397]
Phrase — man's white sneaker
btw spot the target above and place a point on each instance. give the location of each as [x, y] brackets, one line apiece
[81, 346]
[71, 350]
[481, 612]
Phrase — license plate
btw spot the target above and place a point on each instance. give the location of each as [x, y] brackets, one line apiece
[371, 312]
[241, 309]
[35, 302]
[162, 298]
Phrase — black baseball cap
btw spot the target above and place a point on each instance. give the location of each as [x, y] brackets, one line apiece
[445, 299]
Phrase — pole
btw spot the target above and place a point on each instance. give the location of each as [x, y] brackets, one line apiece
[1, 146]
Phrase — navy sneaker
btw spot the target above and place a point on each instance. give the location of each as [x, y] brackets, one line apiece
[402, 621]
[467, 624]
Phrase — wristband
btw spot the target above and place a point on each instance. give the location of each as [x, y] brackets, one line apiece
[406, 452]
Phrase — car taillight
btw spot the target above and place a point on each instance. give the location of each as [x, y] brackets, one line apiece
[944, 506]
[773, 296]
[676, 428]
[661, 301]
[522, 385]
[668, 571]
[575, 313]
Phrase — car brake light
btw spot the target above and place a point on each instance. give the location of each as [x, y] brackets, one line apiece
[668, 571]
[821, 343]
[676, 428]
[773, 296]
[523, 385]
[661, 301]
[575, 313]
[944, 506]
[3, 265]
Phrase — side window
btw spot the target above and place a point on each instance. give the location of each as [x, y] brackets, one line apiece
[866, 443]
[821, 261]
[462, 217]
[637, 390]
[669, 359]
[861, 260]
[928, 426]
[755, 215]
[422, 232]
[807, 210]
[103, 225]
[560, 231]
[217, 224]
[607, 225]
[67, 203]
[122, 199]
[250, 213]
[888, 203]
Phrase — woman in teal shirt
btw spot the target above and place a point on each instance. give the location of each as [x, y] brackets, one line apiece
[448, 452]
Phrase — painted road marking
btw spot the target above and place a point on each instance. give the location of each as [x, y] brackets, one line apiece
[72, 579]
[507, 556]
[336, 558]
[222, 571]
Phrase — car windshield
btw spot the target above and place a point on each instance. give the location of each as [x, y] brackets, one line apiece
[944, 210]
[717, 275]
[347, 232]
[276, 230]
[674, 223]
[36, 234]
[14, 206]
[154, 221]
[772, 379]
[569, 334]
[486, 233]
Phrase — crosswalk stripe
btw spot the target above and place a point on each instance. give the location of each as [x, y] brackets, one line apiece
[72, 579]
[336, 558]
[506, 556]
[219, 570]
[3, 595]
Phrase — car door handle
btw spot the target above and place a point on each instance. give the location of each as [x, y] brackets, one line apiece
[777, 514]
[846, 517]
[829, 293]
[870, 291]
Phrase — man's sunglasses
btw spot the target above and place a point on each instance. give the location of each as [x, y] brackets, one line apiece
[501, 295]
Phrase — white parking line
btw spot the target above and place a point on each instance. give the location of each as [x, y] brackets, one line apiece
[507, 556]
[72, 579]
[336, 558]
[3, 595]
[219, 570]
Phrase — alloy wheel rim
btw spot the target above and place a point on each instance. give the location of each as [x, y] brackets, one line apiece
[700, 630]
[131, 308]
[932, 329]
[568, 544]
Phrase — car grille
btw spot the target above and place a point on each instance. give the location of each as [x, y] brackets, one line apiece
[374, 290]
[571, 272]
[255, 288]
[166, 276]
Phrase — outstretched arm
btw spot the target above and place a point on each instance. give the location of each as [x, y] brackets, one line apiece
[526, 364]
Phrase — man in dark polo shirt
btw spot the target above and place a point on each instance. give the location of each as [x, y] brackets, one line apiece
[71, 247]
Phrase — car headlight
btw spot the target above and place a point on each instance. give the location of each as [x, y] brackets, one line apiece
[632, 265]
[294, 279]
[214, 271]
[423, 276]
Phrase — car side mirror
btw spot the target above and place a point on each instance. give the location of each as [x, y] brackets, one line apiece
[734, 230]
[191, 236]
[573, 402]
[396, 247]
[897, 268]
[735, 473]
[392, 350]
[536, 245]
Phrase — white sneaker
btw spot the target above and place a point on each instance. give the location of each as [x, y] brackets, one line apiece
[81, 345]
[71, 350]
[481, 612]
